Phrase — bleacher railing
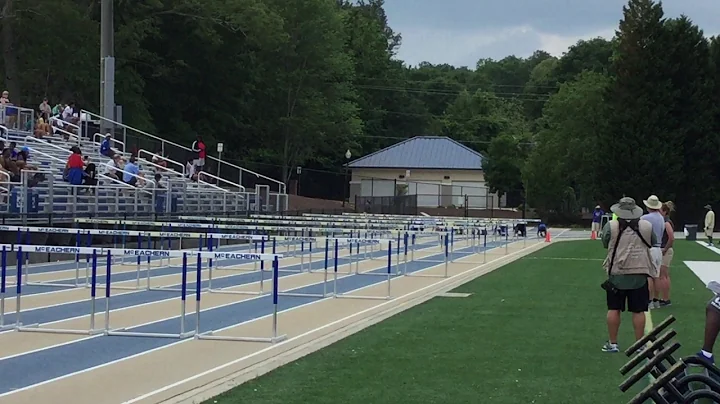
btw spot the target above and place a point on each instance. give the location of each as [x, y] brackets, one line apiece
[17, 118]
[175, 151]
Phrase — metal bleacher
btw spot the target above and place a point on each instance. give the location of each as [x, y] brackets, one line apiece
[175, 194]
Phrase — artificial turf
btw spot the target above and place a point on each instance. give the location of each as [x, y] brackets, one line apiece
[530, 332]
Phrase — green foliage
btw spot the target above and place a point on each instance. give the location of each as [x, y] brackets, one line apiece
[287, 84]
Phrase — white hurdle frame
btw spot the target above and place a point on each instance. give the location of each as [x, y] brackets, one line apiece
[273, 339]
[93, 309]
[388, 274]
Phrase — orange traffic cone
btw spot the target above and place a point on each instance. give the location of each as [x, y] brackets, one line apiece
[547, 236]
[593, 236]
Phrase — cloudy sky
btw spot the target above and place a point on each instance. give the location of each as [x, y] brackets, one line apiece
[460, 32]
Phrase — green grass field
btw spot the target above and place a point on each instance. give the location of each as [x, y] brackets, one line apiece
[530, 333]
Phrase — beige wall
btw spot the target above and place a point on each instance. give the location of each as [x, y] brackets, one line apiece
[432, 188]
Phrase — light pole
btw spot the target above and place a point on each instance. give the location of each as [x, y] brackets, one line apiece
[347, 182]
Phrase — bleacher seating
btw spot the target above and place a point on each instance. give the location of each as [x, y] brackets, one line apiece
[54, 195]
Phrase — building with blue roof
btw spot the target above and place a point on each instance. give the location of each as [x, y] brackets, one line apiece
[438, 169]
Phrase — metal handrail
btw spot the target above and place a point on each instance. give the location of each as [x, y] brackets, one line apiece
[281, 185]
[242, 188]
[65, 123]
[182, 167]
[199, 181]
[113, 140]
[164, 169]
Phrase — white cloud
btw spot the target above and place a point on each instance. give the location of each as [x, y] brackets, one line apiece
[465, 48]
[556, 45]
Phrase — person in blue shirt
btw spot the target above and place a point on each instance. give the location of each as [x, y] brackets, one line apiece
[105, 148]
[542, 230]
[597, 219]
[131, 172]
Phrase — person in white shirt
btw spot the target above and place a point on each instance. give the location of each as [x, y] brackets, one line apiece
[190, 169]
[709, 224]
[68, 114]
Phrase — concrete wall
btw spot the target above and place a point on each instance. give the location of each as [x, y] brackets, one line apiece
[431, 186]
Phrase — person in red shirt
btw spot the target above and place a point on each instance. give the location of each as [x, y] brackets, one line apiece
[75, 167]
[198, 147]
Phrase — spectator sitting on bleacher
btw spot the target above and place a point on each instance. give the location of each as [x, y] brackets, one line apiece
[13, 151]
[45, 110]
[68, 114]
[105, 148]
[42, 128]
[159, 160]
[22, 159]
[75, 169]
[131, 172]
[9, 166]
[90, 173]
[114, 168]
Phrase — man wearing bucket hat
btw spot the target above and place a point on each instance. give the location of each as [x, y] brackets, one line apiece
[709, 224]
[628, 265]
[657, 220]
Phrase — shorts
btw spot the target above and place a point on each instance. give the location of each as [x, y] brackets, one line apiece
[595, 226]
[635, 300]
[715, 302]
[657, 258]
[199, 162]
[667, 258]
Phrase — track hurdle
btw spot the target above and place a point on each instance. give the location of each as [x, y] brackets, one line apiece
[274, 338]
[124, 332]
[93, 293]
[3, 285]
[388, 274]
[325, 277]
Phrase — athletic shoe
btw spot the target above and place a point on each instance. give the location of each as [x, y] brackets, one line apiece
[610, 348]
[705, 358]
[665, 303]
[653, 305]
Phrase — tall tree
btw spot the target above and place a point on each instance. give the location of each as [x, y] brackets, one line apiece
[640, 155]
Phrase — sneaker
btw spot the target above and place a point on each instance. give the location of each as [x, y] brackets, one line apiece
[653, 305]
[665, 303]
[702, 356]
[611, 348]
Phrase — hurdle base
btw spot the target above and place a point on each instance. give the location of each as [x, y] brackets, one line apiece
[102, 285]
[392, 274]
[36, 328]
[55, 285]
[268, 340]
[291, 294]
[236, 292]
[9, 327]
[412, 274]
[121, 332]
[161, 289]
[360, 297]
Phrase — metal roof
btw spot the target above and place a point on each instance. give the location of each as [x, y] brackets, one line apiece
[426, 152]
